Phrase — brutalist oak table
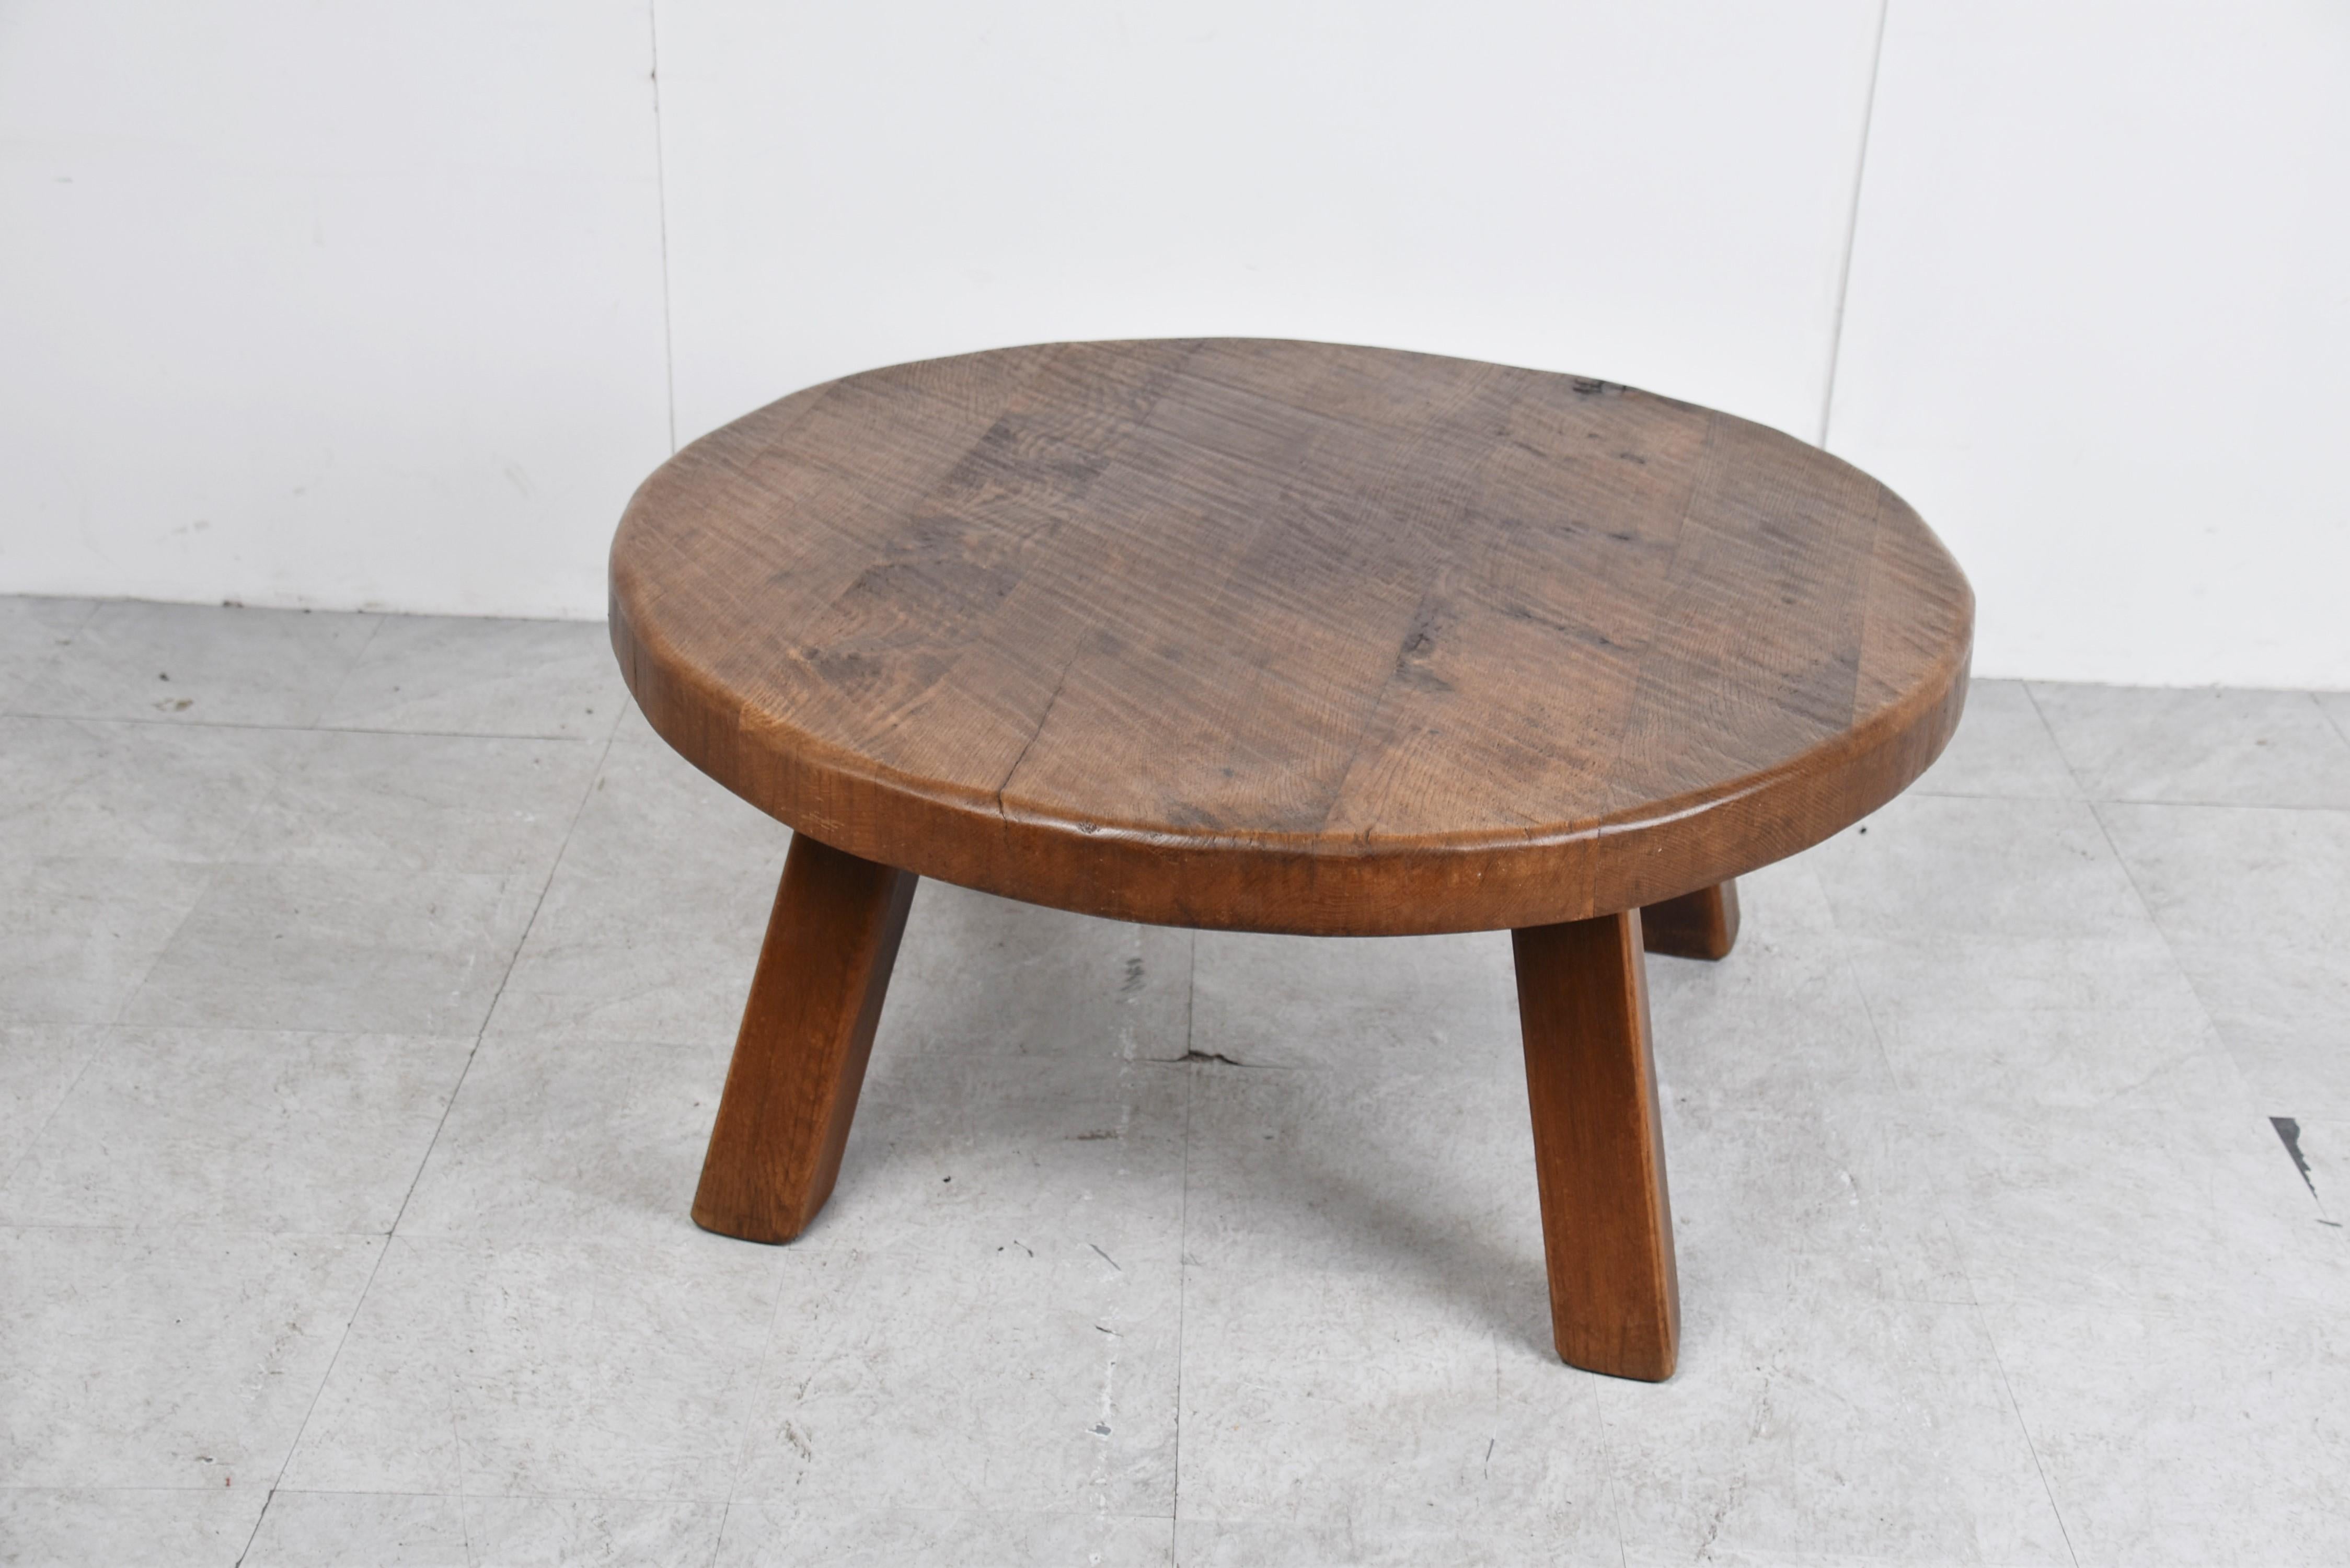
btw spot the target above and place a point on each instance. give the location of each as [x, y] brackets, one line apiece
[1281, 637]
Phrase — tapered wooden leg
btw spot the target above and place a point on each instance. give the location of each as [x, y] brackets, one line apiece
[806, 1033]
[1599, 1153]
[1699, 925]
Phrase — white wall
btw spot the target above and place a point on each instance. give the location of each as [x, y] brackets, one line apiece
[1655, 192]
[2099, 329]
[391, 301]
[330, 304]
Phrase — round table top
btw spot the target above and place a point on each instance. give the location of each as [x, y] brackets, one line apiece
[1291, 637]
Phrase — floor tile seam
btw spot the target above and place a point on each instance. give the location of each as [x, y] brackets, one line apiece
[234, 862]
[193, 1232]
[2178, 964]
[2178, 1307]
[475, 1494]
[2055, 744]
[1795, 1292]
[424, 1160]
[1848, 967]
[514, 957]
[2023, 1425]
[1612, 1463]
[196, 1230]
[294, 1443]
[2325, 716]
[18, 859]
[1906, 1096]
[265, 1030]
[2316, 701]
[506, 1239]
[1531, 1536]
[537, 736]
[718, 1536]
[2122, 1102]
[671, 881]
[358, 656]
[1659, 1550]
[497, 1035]
[610, 733]
[775, 1311]
[2341, 725]
[234, 841]
[1931, 793]
[213, 868]
[2342, 810]
[1360, 1270]
[2086, 796]
[745, 1435]
[1085, 1515]
[2127, 934]
[1905, 1009]
[2127, 1105]
[32, 1138]
[57, 649]
[928, 1511]
[203, 1489]
[2033, 684]
[1612, 1469]
[1991, 1093]
[210, 879]
[296, 729]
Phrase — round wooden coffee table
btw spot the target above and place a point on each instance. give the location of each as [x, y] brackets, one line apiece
[1281, 636]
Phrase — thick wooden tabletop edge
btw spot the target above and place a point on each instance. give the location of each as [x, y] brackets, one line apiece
[1307, 879]
[1000, 836]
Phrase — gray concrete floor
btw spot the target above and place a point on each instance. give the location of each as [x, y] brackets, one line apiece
[368, 982]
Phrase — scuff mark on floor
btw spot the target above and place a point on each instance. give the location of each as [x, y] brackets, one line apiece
[2288, 1131]
[1196, 1055]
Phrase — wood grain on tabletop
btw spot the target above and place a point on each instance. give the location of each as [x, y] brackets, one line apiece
[1287, 636]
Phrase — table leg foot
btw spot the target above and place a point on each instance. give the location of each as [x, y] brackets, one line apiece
[807, 1031]
[1607, 1229]
[1699, 925]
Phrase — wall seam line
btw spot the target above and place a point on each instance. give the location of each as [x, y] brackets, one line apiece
[661, 206]
[1852, 222]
